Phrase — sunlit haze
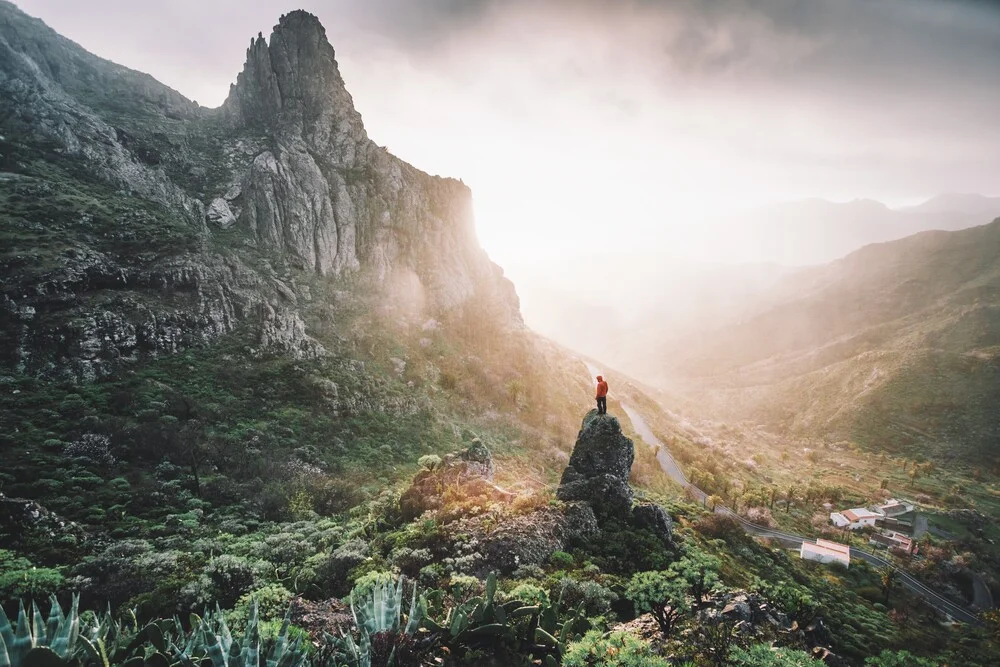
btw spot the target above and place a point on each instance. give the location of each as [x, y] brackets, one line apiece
[589, 128]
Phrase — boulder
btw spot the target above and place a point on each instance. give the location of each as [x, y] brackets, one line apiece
[220, 214]
[478, 460]
[739, 609]
[26, 524]
[468, 473]
[581, 522]
[528, 540]
[653, 518]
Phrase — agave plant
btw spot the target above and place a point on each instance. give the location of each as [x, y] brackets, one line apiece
[39, 642]
[383, 638]
[555, 632]
[484, 623]
[482, 620]
[106, 640]
[210, 638]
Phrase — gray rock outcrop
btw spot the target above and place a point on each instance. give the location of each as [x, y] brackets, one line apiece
[330, 196]
[599, 467]
[25, 522]
[598, 474]
[467, 473]
[220, 214]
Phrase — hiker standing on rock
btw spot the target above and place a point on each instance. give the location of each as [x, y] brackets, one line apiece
[602, 396]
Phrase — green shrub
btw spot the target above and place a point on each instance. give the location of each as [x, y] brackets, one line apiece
[616, 649]
[366, 583]
[561, 560]
[626, 550]
[272, 601]
[595, 598]
[33, 583]
[529, 593]
[763, 655]
[429, 461]
[431, 575]
[889, 658]
[119, 484]
[663, 594]
[463, 587]
[231, 576]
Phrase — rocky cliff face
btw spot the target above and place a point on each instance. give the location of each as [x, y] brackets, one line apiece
[328, 195]
[137, 223]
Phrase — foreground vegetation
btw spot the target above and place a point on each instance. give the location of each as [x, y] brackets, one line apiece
[290, 587]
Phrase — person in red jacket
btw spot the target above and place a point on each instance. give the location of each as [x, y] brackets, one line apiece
[602, 396]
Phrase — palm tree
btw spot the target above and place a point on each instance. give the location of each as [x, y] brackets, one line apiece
[888, 576]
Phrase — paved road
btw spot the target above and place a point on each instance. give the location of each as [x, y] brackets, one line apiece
[669, 466]
[982, 597]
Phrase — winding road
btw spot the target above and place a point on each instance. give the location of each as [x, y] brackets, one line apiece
[672, 469]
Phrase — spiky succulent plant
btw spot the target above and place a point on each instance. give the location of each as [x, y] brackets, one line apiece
[37, 641]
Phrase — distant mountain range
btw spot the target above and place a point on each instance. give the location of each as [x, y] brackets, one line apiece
[896, 346]
[814, 231]
[617, 306]
[971, 204]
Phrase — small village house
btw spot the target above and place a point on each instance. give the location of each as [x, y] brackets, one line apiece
[892, 540]
[894, 508]
[854, 519]
[825, 551]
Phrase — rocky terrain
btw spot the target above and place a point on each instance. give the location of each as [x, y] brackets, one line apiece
[138, 223]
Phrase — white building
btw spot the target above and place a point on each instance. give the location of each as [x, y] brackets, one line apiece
[893, 508]
[825, 551]
[854, 518]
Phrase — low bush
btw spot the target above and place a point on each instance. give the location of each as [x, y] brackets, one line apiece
[595, 598]
[616, 649]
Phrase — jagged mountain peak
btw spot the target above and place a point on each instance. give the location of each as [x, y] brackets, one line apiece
[292, 80]
[284, 168]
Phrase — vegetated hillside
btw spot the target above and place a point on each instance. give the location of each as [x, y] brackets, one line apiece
[897, 345]
[251, 312]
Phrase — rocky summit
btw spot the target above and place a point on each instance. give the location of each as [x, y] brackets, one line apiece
[599, 467]
[598, 474]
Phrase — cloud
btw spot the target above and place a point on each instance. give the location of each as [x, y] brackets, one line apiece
[631, 115]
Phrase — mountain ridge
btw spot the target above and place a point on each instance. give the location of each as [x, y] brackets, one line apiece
[300, 179]
[896, 345]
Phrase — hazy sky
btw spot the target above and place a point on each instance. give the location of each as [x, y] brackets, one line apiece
[588, 122]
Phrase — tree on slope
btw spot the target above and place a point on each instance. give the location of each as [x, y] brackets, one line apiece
[662, 594]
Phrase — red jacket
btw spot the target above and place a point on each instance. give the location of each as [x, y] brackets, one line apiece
[602, 387]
